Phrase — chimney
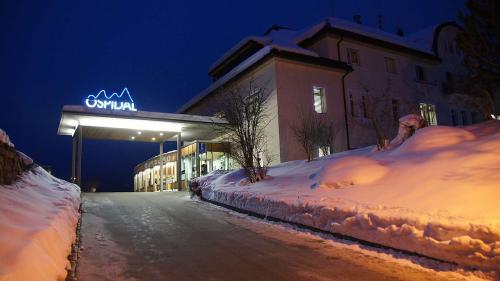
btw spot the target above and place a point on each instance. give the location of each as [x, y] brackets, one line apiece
[357, 19]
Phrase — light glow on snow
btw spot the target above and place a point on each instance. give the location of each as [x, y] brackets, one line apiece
[38, 217]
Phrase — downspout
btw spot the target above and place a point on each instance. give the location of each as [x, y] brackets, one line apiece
[344, 96]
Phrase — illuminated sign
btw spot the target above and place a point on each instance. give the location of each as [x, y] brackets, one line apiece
[115, 101]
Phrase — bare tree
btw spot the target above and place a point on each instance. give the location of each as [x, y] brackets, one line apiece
[304, 132]
[313, 131]
[478, 40]
[377, 107]
[327, 133]
[243, 107]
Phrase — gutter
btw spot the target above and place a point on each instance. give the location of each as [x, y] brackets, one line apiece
[348, 142]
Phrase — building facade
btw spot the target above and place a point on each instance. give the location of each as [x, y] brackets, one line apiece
[339, 70]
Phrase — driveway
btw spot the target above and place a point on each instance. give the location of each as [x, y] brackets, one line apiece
[168, 236]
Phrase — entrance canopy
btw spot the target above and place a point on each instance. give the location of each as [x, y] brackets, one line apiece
[106, 124]
[81, 122]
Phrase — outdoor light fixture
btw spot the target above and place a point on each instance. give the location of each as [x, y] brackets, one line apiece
[161, 134]
[128, 123]
[153, 139]
[133, 138]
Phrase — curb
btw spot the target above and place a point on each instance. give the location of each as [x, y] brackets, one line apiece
[75, 249]
[317, 230]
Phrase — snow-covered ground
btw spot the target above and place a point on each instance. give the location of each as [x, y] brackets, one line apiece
[38, 217]
[438, 194]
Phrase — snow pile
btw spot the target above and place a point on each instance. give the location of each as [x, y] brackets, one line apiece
[437, 194]
[38, 217]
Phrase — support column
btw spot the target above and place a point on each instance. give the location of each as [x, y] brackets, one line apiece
[197, 159]
[73, 158]
[161, 166]
[79, 153]
[178, 162]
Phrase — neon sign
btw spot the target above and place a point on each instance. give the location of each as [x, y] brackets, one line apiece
[114, 101]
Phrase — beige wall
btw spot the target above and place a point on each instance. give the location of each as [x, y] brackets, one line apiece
[264, 75]
[371, 78]
[295, 83]
[290, 84]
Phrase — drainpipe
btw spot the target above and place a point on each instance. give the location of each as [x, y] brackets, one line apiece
[343, 95]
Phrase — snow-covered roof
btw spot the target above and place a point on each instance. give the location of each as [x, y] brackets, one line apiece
[282, 39]
[290, 39]
[263, 40]
[247, 63]
[364, 30]
[423, 37]
[228, 76]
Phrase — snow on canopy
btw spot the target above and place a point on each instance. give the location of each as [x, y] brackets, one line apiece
[436, 194]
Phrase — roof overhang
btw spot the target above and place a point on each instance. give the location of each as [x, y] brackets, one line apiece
[144, 126]
[328, 29]
[260, 57]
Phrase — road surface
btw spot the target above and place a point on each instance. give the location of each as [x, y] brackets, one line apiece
[167, 236]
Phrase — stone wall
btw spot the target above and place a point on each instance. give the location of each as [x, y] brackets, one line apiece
[11, 164]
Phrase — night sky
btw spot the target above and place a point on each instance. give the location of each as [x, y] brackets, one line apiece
[54, 53]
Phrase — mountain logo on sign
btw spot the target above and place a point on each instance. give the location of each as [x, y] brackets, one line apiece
[114, 101]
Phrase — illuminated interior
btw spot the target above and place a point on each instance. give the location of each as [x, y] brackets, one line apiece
[198, 158]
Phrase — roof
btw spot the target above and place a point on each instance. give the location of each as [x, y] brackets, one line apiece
[290, 41]
[367, 31]
[259, 57]
[428, 36]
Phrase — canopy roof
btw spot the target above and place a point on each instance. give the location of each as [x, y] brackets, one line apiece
[144, 126]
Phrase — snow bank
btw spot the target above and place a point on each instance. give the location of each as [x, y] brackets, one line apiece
[437, 194]
[38, 217]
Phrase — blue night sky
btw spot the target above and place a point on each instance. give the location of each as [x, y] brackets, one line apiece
[54, 53]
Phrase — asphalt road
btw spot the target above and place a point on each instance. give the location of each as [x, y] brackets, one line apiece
[167, 236]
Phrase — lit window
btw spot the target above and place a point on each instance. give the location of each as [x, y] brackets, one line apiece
[390, 65]
[319, 99]
[323, 151]
[428, 112]
[353, 56]
[420, 73]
